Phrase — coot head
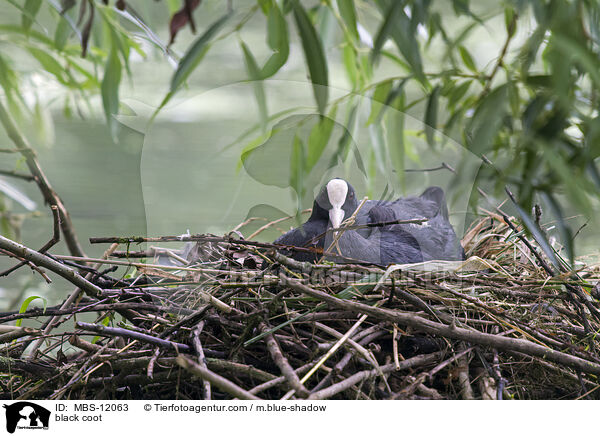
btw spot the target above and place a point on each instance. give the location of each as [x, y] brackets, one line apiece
[336, 202]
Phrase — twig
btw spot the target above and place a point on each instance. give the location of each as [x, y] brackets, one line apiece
[272, 223]
[201, 358]
[466, 391]
[200, 238]
[117, 331]
[278, 380]
[283, 364]
[451, 331]
[422, 360]
[29, 264]
[95, 307]
[45, 262]
[333, 349]
[18, 332]
[151, 362]
[366, 354]
[17, 175]
[220, 382]
[500, 61]
[55, 238]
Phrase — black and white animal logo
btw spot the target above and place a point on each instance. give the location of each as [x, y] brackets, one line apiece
[25, 414]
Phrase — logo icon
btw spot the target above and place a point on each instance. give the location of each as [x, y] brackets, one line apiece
[26, 415]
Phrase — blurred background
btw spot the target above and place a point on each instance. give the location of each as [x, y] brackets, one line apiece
[159, 117]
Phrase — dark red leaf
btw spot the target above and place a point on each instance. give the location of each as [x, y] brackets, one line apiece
[182, 17]
[85, 34]
[189, 9]
[82, 10]
[121, 5]
[66, 5]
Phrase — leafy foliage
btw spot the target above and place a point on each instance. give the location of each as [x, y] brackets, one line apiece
[527, 103]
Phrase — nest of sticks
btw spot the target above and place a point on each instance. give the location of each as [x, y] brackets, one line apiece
[231, 318]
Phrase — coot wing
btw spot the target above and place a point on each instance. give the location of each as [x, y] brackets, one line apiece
[435, 239]
[304, 236]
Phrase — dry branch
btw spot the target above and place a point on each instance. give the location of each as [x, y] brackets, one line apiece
[50, 196]
[44, 261]
[451, 331]
[253, 323]
[220, 382]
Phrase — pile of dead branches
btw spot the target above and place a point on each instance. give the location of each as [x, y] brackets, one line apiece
[231, 318]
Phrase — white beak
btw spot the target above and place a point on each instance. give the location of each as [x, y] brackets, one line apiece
[337, 189]
[336, 216]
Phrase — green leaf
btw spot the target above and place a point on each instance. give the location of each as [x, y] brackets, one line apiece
[571, 50]
[461, 7]
[62, 33]
[247, 150]
[326, 26]
[66, 5]
[564, 230]
[539, 80]
[297, 166]
[195, 53]
[49, 63]
[487, 120]
[380, 95]
[366, 67]
[379, 147]
[509, 15]
[105, 322]
[431, 115]
[349, 57]
[390, 21]
[319, 138]
[151, 36]
[30, 34]
[397, 60]
[259, 91]
[452, 121]
[467, 59]
[514, 99]
[348, 14]
[121, 39]
[278, 40]
[576, 192]
[265, 5]
[110, 91]
[31, 9]
[529, 49]
[172, 6]
[458, 92]
[26, 304]
[28, 13]
[403, 33]
[391, 99]
[314, 54]
[191, 60]
[396, 143]
[343, 147]
[539, 237]
[62, 13]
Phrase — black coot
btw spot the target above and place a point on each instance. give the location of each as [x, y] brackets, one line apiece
[398, 243]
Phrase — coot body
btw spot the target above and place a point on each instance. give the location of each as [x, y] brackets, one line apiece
[382, 245]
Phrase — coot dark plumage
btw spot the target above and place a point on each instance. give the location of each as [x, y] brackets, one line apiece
[397, 243]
